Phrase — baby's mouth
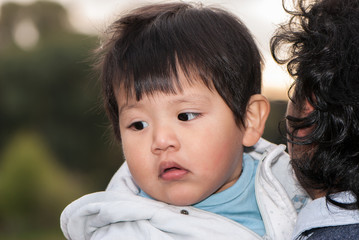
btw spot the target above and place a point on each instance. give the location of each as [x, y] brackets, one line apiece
[171, 171]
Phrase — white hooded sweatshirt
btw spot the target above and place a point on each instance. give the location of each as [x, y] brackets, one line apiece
[119, 213]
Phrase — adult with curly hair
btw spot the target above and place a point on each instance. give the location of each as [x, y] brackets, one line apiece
[320, 45]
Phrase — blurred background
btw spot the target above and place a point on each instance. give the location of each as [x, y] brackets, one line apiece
[55, 143]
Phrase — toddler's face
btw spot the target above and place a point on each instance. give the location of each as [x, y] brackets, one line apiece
[181, 148]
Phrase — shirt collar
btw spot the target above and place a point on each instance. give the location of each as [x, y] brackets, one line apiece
[320, 213]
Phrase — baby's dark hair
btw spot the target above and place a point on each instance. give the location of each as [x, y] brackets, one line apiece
[146, 48]
[321, 49]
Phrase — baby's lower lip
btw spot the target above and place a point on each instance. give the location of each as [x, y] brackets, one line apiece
[173, 174]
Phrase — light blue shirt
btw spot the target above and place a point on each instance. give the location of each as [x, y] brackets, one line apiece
[237, 202]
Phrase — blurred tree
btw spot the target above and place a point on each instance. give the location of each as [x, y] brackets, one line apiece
[34, 188]
[51, 22]
[49, 17]
[49, 88]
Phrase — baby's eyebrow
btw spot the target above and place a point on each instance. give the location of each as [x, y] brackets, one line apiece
[192, 98]
[126, 107]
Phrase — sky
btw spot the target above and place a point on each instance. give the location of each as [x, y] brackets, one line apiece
[261, 17]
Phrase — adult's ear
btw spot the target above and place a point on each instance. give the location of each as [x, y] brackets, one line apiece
[256, 116]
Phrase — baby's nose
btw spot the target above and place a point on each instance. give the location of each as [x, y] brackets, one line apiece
[164, 139]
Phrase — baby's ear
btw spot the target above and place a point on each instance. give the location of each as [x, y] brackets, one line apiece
[256, 116]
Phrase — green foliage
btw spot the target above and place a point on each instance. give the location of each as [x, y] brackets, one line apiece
[50, 90]
[34, 188]
[49, 17]
[44, 234]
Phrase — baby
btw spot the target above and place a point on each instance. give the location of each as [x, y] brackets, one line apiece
[182, 86]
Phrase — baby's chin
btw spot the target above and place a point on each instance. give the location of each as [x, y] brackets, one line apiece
[181, 200]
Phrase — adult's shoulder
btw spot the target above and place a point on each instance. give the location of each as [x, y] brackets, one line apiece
[343, 232]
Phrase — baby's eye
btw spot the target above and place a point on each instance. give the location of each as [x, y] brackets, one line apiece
[187, 116]
[138, 125]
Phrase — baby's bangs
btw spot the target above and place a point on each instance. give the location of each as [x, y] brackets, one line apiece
[165, 78]
[157, 68]
[147, 77]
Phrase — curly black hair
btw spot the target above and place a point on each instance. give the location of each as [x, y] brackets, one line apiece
[320, 45]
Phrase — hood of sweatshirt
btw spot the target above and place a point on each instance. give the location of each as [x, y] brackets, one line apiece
[119, 213]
